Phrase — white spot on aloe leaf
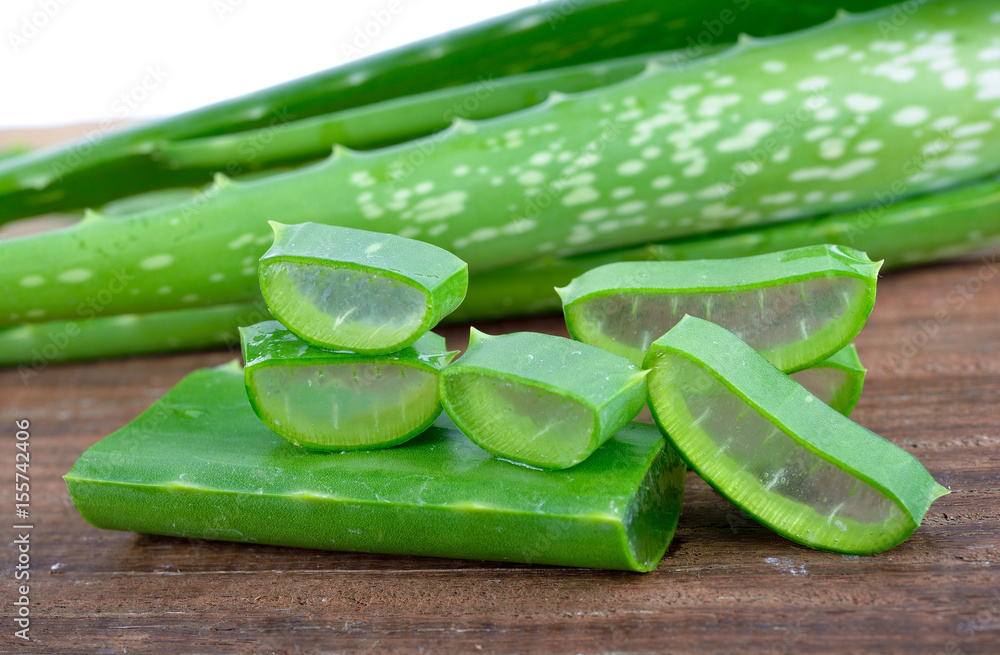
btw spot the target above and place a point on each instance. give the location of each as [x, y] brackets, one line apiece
[910, 116]
[989, 85]
[75, 275]
[972, 129]
[237, 243]
[580, 196]
[869, 146]
[774, 67]
[862, 103]
[216, 277]
[662, 182]
[672, 199]
[158, 261]
[773, 96]
[372, 248]
[749, 137]
[30, 281]
[631, 167]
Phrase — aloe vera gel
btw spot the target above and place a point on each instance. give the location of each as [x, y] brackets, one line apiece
[327, 400]
[367, 292]
[797, 307]
[776, 451]
[539, 399]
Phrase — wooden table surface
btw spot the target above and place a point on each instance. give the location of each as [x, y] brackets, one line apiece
[933, 349]
[726, 583]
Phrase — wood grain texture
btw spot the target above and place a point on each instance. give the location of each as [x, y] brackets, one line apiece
[726, 584]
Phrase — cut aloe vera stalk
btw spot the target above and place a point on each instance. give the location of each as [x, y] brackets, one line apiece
[326, 400]
[772, 448]
[199, 464]
[797, 307]
[539, 399]
[837, 381]
[347, 289]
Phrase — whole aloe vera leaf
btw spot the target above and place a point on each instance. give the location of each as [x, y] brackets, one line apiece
[911, 232]
[480, 189]
[539, 399]
[326, 400]
[764, 442]
[345, 289]
[36, 345]
[796, 307]
[400, 119]
[915, 231]
[199, 463]
[837, 381]
[91, 171]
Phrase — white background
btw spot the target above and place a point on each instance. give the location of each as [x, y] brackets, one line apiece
[71, 61]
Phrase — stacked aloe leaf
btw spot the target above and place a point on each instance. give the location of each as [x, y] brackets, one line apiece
[350, 363]
[535, 147]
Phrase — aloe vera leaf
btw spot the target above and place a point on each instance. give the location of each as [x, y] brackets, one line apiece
[337, 400]
[346, 289]
[33, 346]
[837, 381]
[772, 448]
[539, 399]
[402, 119]
[476, 190]
[796, 307]
[924, 229]
[91, 171]
[915, 231]
[199, 463]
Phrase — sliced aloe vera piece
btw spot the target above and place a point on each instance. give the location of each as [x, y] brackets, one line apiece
[797, 307]
[763, 441]
[327, 400]
[837, 380]
[199, 464]
[348, 289]
[539, 399]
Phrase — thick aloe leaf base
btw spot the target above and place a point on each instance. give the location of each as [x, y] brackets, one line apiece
[218, 473]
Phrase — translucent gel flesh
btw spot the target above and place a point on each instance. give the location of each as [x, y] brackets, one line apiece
[343, 306]
[346, 405]
[519, 422]
[827, 383]
[768, 319]
[765, 471]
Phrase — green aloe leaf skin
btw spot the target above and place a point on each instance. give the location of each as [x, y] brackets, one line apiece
[915, 231]
[797, 307]
[345, 289]
[538, 399]
[772, 448]
[199, 464]
[580, 172]
[328, 400]
[141, 157]
[837, 380]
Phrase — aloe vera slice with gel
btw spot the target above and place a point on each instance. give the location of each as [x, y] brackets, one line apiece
[776, 451]
[539, 399]
[797, 307]
[837, 380]
[327, 400]
[367, 292]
